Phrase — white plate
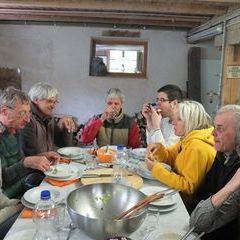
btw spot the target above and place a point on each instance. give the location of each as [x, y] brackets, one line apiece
[60, 171]
[145, 173]
[77, 173]
[73, 152]
[167, 200]
[163, 209]
[169, 235]
[33, 195]
[139, 153]
[27, 204]
[25, 234]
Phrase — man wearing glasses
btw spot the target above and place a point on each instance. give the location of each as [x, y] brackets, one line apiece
[16, 168]
[159, 127]
[44, 132]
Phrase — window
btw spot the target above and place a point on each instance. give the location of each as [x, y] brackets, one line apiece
[118, 58]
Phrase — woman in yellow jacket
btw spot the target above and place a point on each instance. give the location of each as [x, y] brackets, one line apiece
[192, 156]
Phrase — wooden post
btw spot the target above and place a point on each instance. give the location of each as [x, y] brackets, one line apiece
[231, 81]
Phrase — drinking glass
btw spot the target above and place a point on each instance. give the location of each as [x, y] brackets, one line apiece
[90, 161]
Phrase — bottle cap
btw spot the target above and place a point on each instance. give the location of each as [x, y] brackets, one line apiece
[45, 195]
[120, 147]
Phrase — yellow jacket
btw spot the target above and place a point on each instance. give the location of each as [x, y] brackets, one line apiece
[190, 159]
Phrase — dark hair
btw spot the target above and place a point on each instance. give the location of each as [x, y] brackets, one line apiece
[173, 92]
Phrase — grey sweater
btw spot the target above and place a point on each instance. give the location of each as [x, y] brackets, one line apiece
[206, 218]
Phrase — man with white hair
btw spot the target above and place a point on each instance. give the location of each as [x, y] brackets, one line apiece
[112, 127]
[43, 132]
[14, 114]
[214, 215]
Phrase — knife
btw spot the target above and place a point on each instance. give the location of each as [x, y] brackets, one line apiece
[95, 175]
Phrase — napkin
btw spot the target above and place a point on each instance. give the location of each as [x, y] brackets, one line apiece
[26, 213]
[60, 183]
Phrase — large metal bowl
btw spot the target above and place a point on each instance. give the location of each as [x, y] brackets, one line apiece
[92, 208]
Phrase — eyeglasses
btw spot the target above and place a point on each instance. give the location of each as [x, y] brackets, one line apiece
[161, 100]
[21, 114]
[51, 101]
[24, 114]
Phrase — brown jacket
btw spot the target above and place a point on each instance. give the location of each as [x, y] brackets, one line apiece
[42, 134]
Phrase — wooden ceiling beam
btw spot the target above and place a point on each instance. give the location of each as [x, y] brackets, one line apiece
[167, 7]
[100, 19]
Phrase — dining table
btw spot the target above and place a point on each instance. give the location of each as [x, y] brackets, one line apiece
[172, 224]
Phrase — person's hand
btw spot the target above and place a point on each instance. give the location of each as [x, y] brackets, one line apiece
[52, 156]
[156, 118]
[234, 183]
[109, 113]
[152, 116]
[37, 162]
[68, 123]
[151, 148]
[150, 162]
[149, 158]
[146, 111]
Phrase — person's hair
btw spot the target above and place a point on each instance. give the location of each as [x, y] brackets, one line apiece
[235, 109]
[115, 92]
[173, 92]
[194, 115]
[41, 91]
[10, 96]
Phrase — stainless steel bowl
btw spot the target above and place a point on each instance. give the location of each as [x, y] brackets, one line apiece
[92, 208]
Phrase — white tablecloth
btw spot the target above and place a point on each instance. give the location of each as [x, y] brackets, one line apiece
[170, 225]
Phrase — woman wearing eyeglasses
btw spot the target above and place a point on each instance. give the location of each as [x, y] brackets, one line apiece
[191, 157]
[159, 119]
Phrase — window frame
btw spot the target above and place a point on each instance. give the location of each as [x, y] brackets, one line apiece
[107, 41]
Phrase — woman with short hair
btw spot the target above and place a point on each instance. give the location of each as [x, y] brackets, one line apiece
[192, 156]
[113, 126]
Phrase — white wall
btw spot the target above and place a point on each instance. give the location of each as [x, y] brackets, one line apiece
[60, 56]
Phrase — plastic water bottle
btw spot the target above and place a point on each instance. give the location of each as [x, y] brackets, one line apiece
[119, 164]
[44, 216]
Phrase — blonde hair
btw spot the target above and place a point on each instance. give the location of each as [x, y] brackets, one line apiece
[194, 116]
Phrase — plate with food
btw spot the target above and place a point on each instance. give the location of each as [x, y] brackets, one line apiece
[73, 152]
[145, 173]
[139, 153]
[61, 171]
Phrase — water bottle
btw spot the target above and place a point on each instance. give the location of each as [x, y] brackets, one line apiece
[119, 164]
[44, 216]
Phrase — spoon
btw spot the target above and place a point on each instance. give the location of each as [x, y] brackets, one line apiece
[106, 148]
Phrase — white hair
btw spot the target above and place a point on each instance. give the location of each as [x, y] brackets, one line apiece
[115, 92]
[235, 109]
[10, 96]
[41, 91]
[194, 116]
